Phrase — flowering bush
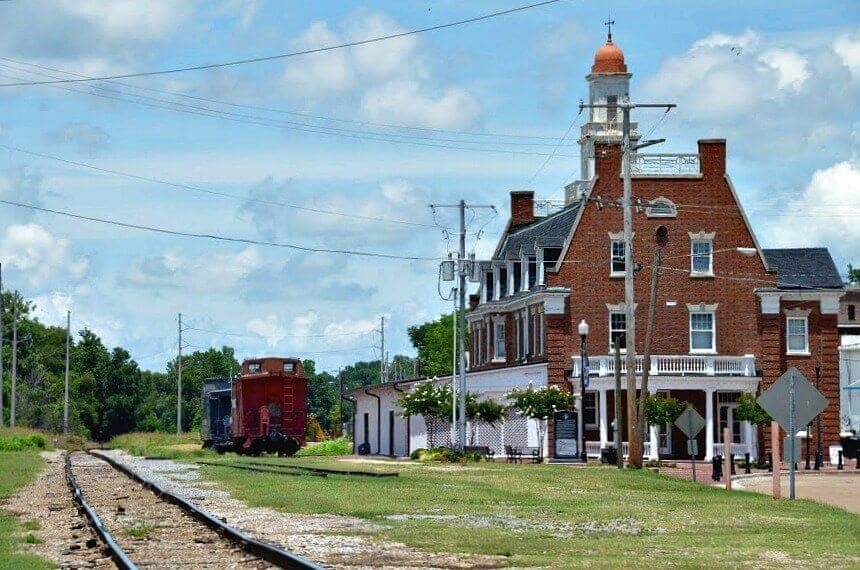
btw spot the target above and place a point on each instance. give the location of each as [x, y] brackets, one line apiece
[540, 405]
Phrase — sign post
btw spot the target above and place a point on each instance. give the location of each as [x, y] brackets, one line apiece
[776, 462]
[691, 423]
[791, 401]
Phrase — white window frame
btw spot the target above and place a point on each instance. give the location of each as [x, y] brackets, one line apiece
[616, 239]
[697, 239]
[652, 212]
[797, 316]
[703, 309]
[623, 313]
[497, 357]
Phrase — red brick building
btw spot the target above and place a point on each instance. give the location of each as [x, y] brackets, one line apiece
[731, 317]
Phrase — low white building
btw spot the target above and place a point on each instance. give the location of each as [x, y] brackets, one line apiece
[378, 419]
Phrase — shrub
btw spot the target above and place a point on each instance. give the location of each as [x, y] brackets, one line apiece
[21, 440]
[444, 455]
[339, 446]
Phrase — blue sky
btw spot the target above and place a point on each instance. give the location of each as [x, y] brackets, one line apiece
[781, 84]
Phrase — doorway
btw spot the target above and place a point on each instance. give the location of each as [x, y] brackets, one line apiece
[391, 433]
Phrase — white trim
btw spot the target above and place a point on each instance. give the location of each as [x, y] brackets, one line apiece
[702, 307]
[701, 238]
[828, 299]
[665, 202]
[554, 295]
[805, 320]
[612, 242]
[713, 314]
[746, 222]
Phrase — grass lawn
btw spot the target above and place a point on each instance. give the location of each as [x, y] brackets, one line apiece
[17, 468]
[557, 516]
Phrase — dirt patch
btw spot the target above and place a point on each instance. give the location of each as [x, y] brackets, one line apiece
[515, 524]
[46, 508]
[839, 490]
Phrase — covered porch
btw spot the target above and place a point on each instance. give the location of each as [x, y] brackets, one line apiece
[711, 384]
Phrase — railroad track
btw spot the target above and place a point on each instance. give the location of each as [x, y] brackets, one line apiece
[143, 525]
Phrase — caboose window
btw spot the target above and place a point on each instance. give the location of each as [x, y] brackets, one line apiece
[289, 366]
[255, 367]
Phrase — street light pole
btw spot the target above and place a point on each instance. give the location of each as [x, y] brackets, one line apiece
[583, 382]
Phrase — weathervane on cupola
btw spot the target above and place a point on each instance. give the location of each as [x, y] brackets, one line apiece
[608, 23]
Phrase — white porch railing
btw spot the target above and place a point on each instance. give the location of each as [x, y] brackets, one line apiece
[674, 365]
[738, 449]
[592, 448]
[660, 164]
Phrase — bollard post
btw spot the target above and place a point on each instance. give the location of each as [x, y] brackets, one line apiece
[717, 467]
[747, 467]
[770, 462]
[819, 460]
[732, 463]
[727, 450]
[839, 464]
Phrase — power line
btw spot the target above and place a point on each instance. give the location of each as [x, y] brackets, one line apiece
[288, 54]
[547, 139]
[257, 335]
[308, 128]
[215, 237]
[208, 191]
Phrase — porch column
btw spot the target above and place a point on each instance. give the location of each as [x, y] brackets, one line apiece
[655, 445]
[709, 425]
[748, 439]
[604, 419]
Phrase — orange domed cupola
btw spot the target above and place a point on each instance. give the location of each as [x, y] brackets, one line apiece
[609, 58]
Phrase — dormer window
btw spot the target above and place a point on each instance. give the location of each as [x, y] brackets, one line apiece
[661, 208]
[254, 367]
[289, 366]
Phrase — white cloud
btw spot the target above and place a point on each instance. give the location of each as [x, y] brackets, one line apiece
[348, 327]
[390, 80]
[89, 139]
[406, 101]
[789, 65]
[219, 271]
[848, 49]
[826, 210]
[319, 73]
[269, 328]
[39, 255]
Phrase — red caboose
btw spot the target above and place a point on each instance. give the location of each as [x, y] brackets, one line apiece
[270, 406]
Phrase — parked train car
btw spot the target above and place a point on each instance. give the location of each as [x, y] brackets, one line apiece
[268, 408]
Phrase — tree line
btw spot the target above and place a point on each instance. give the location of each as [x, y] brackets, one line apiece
[110, 394]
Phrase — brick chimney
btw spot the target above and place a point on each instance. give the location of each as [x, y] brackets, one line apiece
[522, 207]
[712, 156]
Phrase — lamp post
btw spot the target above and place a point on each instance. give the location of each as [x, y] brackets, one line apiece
[583, 383]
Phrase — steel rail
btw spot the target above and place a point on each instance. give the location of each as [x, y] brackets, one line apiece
[272, 554]
[117, 553]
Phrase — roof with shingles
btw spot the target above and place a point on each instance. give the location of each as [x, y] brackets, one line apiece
[804, 268]
[549, 231]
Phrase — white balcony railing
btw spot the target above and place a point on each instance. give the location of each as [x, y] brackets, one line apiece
[664, 164]
[674, 365]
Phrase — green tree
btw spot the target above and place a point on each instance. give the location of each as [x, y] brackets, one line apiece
[197, 367]
[434, 342]
[322, 394]
[853, 274]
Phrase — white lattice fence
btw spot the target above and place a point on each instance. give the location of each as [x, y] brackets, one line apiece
[516, 430]
[438, 432]
[491, 436]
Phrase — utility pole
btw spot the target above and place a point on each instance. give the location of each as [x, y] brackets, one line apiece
[1, 346]
[634, 438]
[66, 391]
[382, 350]
[179, 380]
[14, 363]
[463, 266]
[454, 379]
[618, 417]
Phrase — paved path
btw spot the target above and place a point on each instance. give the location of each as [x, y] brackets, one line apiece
[840, 490]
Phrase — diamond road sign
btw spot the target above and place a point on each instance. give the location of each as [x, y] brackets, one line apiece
[690, 422]
[808, 401]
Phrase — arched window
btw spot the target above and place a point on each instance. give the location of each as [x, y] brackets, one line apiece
[661, 208]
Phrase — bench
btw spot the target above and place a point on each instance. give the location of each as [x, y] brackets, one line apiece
[482, 450]
[515, 454]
